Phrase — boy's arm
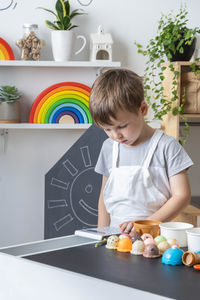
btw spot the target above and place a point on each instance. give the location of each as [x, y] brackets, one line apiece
[103, 216]
[180, 198]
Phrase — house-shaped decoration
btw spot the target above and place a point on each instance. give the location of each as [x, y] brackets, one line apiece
[101, 45]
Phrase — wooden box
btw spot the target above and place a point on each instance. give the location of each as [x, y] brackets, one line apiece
[190, 85]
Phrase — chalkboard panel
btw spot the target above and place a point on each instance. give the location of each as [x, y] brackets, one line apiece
[72, 187]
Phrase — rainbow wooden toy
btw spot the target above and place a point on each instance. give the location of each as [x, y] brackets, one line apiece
[6, 52]
[64, 102]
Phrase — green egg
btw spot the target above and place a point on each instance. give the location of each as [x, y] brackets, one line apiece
[160, 238]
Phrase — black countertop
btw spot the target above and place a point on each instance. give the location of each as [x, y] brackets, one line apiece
[176, 282]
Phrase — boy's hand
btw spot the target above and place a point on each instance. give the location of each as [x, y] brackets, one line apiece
[128, 227]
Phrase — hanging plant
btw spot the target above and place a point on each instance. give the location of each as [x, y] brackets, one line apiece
[174, 41]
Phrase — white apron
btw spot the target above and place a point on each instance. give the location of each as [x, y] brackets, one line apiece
[129, 193]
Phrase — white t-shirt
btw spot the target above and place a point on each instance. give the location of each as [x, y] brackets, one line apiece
[169, 159]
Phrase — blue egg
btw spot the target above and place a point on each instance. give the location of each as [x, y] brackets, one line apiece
[172, 256]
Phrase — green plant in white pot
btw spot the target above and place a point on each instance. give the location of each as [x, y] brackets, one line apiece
[174, 41]
[9, 104]
[62, 35]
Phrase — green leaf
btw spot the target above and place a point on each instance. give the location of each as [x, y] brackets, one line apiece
[66, 22]
[60, 8]
[76, 13]
[74, 26]
[51, 25]
[175, 111]
[67, 8]
[47, 10]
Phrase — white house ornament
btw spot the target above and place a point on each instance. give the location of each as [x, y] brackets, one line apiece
[101, 45]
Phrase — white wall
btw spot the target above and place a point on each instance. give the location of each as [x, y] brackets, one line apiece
[30, 154]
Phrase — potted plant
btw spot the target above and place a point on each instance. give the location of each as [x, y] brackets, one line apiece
[174, 41]
[9, 104]
[62, 35]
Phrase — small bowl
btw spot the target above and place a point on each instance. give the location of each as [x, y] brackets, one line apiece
[193, 239]
[147, 226]
[176, 230]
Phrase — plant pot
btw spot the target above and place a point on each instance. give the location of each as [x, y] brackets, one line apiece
[63, 42]
[187, 54]
[10, 112]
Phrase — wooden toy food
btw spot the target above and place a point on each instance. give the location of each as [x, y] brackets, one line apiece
[138, 247]
[124, 245]
[151, 251]
[112, 242]
[160, 238]
[190, 258]
[173, 256]
[147, 226]
[163, 246]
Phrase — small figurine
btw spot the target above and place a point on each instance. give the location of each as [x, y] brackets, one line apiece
[138, 247]
[124, 245]
[112, 242]
[101, 45]
[173, 256]
[151, 251]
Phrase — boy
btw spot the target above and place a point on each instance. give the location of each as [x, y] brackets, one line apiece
[144, 170]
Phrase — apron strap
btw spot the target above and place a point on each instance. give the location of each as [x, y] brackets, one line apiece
[115, 154]
[152, 147]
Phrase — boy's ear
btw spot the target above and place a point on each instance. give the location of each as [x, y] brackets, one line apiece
[144, 108]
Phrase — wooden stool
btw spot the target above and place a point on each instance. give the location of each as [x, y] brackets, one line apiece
[190, 214]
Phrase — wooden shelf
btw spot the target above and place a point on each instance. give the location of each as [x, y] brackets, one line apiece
[44, 63]
[194, 116]
[171, 123]
[43, 126]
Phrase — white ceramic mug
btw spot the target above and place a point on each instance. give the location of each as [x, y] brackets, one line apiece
[63, 44]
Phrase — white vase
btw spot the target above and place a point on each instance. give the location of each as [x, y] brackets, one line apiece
[63, 43]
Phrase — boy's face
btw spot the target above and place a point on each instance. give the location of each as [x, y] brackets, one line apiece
[128, 127]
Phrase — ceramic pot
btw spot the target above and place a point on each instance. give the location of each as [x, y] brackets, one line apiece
[10, 112]
[63, 43]
[186, 55]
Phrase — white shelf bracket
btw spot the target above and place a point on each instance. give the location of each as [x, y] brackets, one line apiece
[3, 135]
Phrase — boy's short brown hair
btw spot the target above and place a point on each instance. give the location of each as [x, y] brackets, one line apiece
[115, 89]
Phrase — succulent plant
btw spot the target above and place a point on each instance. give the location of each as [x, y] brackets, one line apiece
[9, 93]
[63, 16]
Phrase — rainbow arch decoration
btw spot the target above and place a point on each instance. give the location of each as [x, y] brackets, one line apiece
[6, 52]
[64, 102]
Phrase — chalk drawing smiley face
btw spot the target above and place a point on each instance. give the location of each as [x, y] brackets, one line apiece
[6, 4]
[77, 194]
[83, 186]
